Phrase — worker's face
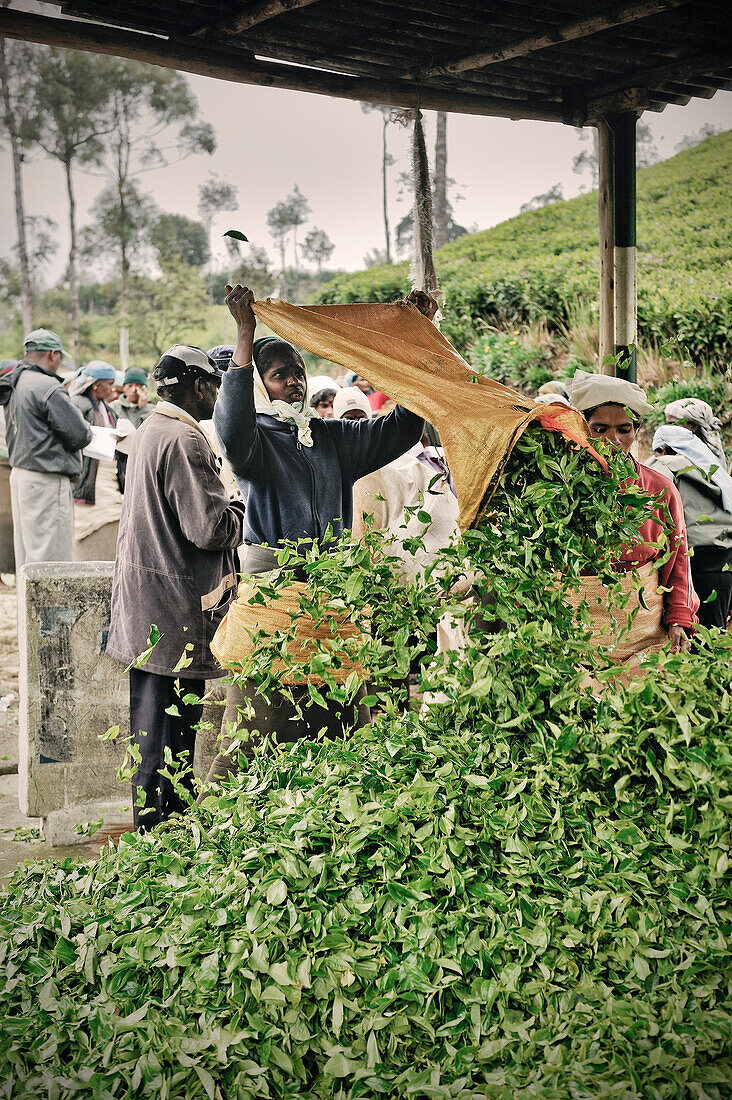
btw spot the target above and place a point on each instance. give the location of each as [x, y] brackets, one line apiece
[354, 414]
[325, 408]
[362, 385]
[135, 393]
[103, 390]
[612, 423]
[285, 381]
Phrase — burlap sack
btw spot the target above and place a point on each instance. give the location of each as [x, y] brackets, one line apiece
[236, 638]
[643, 611]
[402, 353]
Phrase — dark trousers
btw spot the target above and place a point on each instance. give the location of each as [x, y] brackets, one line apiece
[151, 695]
[280, 719]
[707, 567]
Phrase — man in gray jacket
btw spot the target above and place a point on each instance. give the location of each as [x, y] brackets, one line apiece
[45, 437]
[175, 571]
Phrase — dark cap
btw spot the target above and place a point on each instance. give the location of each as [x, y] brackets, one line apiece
[182, 362]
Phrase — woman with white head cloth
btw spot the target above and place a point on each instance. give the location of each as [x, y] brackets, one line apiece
[97, 499]
[699, 418]
[296, 473]
[706, 493]
[613, 408]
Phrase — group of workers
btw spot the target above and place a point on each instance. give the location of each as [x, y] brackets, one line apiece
[242, 456]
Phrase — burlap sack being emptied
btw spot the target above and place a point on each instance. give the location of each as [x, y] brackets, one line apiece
[405, 355]
[638, 626]
[236, 638]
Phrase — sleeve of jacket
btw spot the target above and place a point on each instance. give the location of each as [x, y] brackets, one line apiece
[66, 421]
[367, 445]
[197, 496]
[681, 603]
[235, 421]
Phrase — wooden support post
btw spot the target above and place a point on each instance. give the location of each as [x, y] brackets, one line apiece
[606, 233]
[623, 128]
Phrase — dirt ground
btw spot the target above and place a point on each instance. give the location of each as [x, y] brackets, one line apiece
[20, 836]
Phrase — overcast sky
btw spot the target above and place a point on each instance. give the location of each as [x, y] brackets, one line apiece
[269, 140]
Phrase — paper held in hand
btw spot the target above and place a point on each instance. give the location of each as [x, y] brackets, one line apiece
[105, 441]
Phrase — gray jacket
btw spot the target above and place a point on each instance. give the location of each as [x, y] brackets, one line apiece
[45, 433]
[136, 415]
[176, 552]
[707, 523]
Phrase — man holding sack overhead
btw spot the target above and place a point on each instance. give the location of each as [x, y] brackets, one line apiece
[175, 568]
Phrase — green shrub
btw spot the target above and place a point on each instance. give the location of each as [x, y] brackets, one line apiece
[510, 361]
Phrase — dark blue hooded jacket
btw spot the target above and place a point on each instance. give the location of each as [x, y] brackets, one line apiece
[293, 492]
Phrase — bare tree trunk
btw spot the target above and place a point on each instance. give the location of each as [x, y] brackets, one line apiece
[73, 273]
[124, 332]
[124, 305]
[440, 193]
[384, 165]
[26, 286]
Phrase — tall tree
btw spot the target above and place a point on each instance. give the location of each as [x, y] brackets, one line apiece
[167, 309]
[176, 235]
[299, 209]
[20, 121]
[278, 223]
[285, 218]
[387, 116]
[439, 195]
[214, 197]
[154, 123]
[318, 247]
[69, 93]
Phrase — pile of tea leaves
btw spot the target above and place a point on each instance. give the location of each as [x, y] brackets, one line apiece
[520, 892]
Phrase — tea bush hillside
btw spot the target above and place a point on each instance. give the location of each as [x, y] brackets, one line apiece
[543, 266]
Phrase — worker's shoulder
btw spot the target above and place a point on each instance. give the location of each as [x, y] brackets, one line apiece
[654, 480]
[38, 384]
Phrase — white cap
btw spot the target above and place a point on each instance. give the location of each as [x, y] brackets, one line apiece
[349, 398]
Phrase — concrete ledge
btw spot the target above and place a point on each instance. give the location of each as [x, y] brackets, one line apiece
[62, 827]
[71, 692]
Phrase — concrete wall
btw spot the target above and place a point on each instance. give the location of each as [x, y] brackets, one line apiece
[70, 693]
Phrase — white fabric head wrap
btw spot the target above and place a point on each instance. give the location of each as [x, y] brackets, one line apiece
[696, 410]
[299, 414]
[588, 391]
[689, 446]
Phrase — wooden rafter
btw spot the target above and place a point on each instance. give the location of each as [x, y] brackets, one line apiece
[249, 17]
[620, 94]
[566, 32]
[235, 65]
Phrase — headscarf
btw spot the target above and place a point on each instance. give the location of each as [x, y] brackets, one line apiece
[299, 414]
[589, 391]
[554, 387]
[95, 371]
[697, 412]
[551, 398]
[685, 443]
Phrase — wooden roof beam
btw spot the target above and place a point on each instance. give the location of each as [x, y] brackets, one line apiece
[250, 16]
[618, 94]
[224, 63]
[615, 16]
